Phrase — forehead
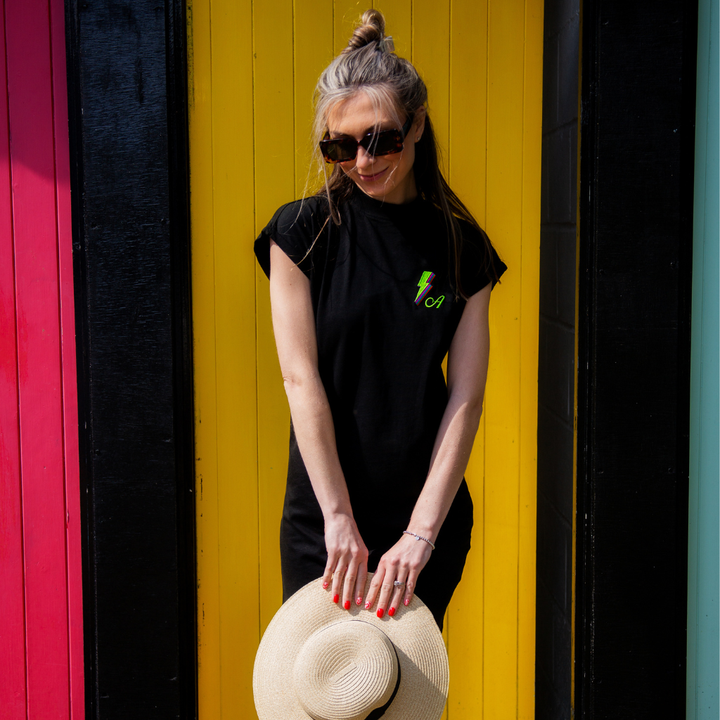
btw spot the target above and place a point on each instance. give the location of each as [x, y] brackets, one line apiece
[359, 114]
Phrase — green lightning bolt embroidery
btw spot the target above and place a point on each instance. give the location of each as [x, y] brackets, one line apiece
[425, 284]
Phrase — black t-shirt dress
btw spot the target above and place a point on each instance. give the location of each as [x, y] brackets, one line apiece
[386, 313]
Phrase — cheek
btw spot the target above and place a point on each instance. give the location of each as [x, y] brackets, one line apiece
[405, 161]
[347, 167]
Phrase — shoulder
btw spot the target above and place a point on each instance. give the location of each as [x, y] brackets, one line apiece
[300, 216]
[295, 227]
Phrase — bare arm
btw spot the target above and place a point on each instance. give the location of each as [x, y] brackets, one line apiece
[467, 373]
[295, 336]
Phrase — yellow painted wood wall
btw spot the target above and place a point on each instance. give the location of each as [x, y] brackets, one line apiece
[252, 70]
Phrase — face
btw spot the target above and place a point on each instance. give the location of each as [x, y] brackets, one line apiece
[387, 177]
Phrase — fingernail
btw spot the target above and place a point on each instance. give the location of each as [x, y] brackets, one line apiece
[380, 612]
[407, 602]
[325, 585]
[391, 612]
[346, 604]
[358, 601]
[367, 605]
[336, 598]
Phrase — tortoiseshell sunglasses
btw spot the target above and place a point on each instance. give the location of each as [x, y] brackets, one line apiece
[386, 142]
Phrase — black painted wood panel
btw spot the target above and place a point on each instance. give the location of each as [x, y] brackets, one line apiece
[637, 129]
[556, 367]
[128, 126]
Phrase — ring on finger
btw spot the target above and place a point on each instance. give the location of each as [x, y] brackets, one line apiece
[399, 584]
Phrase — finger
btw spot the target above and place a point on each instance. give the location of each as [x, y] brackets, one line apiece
[386, 590]
[337, 580]
[374, 588]
[349, 584]
[409, 588]
[360, 583]
[397, 594]
[328, 572]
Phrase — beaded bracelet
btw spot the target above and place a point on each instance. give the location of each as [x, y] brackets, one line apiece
[418, 537]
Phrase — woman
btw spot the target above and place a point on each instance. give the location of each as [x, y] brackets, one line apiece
[372, 282]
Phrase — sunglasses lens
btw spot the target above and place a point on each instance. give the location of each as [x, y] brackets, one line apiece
[338, 150]
[383, 143]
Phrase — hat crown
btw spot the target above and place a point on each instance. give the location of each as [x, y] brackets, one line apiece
[345, 671]
[419, 692]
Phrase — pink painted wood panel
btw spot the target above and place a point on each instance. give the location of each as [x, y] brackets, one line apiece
[12, 629]
[40, 513]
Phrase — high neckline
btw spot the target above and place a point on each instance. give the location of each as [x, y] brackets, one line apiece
[381, 208]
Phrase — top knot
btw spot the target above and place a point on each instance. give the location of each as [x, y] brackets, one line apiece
[370, 29]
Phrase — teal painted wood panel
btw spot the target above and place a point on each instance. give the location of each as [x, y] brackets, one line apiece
[703, 672]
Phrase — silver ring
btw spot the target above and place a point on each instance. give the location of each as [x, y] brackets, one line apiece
[397, 583]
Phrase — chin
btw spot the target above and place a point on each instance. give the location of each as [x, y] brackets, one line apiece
[390, 192]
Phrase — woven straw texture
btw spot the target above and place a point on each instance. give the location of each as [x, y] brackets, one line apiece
[358, 661]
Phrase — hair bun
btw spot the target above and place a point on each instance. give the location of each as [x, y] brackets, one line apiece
[371, 29]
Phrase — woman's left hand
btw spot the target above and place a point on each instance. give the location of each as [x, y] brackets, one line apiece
[401, 563]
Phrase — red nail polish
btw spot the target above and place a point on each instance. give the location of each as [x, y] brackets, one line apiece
[325, 585]
[407, 602]
[336, 598]
[358, 601]
[380, 612]
[367, 605]
[391, 612]
[346, 604]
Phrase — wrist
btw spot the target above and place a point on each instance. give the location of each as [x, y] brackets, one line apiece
[332, 517]
[419, 537]
[427, 528]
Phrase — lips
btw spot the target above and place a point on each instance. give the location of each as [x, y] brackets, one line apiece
[373, 177]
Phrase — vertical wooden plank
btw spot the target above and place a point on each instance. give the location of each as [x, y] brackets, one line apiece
[131, 240]
[635, 202]
[346, 15]
[502, 437]
[468, 86]
[467, 154]
[703, 661]
[274, 185]
[398, 23]
[312, 53]
[430, 53]
[232, 118]
[204, 356]
[529, 329]
[431, 57]
[12, 596]
[41, 441]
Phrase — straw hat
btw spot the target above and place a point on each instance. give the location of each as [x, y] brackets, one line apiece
[317, 661]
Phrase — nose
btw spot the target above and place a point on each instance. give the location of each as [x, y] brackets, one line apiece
[364, 158]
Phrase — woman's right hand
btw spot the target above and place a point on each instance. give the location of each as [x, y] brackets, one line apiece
[346, 568]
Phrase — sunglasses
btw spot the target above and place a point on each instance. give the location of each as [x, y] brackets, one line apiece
[386, 142]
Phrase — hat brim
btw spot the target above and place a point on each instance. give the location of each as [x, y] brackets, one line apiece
[420, 649]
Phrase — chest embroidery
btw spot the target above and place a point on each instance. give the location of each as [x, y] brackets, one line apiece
[425, 286]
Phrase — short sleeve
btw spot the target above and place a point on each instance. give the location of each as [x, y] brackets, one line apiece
[295, 227]
[478, 267]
